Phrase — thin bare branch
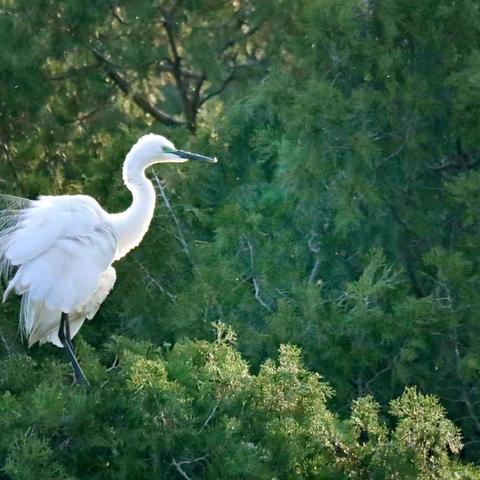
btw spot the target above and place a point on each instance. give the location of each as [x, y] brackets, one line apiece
[161, 187]
[181, 471]
[85, 116]
[233, 41]
[388, 367]
[7, 347]
[209, 418]
[256, 284]
[398, 150]
[453, 166]
[155, 282]
[197, 89]
[114, 365]
[116, 12]
[314, 272]
[256, 287]
[468, 404]
[189, 111]
[166, 66]
[470, 410]
[217, 91]
[315, 249]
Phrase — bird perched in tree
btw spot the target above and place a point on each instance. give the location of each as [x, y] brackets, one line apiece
[63, 247]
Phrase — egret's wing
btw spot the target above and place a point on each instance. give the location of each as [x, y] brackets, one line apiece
[68, 272]
[45, 323]
[107, 281]
[61, 246]
[49, 219]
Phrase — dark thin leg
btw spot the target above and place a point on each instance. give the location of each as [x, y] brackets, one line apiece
[68, 338]
[64, 336]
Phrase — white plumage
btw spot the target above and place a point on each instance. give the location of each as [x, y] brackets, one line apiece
[63, 246]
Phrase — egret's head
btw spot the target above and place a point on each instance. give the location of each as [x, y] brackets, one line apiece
[153, 148]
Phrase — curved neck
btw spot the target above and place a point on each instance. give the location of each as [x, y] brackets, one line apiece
[132, 224]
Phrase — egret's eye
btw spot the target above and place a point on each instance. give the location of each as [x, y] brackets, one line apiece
[168, 150]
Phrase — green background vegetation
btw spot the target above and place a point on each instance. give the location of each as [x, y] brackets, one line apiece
[309, 307]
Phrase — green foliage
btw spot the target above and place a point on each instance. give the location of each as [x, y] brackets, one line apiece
[197, 410]
[334, 247]
[31, 458]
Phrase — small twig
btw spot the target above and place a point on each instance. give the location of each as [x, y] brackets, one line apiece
[255, 282]
[250, 250]
[180, 236]
[219, 89]
[115, 12]
[7, 347]
[470, 410]
[315, 249]
[83, 117]
[209, 418]
[471, 442]
[257, 294]
[383, 370]
[314, 272]
[181, 471]
[399, 149]
[114, 364]
[155, 282]
[466, 400]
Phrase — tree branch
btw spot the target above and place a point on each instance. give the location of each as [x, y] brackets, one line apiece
[227, 80]
[256, 285]
[232, 41]
[85, 116]
[7, 347]
[181, 471]
[121, 82]
[116, 13]
[453, 166]
[166, 66]
[190, 113]
[256, 288]
[466, 400]
[314, 248]
[382, 371]
[155, 282]
[209, 418]
[180, 236]
[218, 90]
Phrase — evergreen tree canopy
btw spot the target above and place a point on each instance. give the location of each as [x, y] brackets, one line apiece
[333, 252]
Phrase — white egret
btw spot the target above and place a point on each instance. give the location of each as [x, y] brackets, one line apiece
[63, 248]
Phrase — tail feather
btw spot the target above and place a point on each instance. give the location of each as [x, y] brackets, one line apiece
[12, 211]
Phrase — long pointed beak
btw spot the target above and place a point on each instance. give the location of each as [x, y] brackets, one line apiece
[194, 156]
